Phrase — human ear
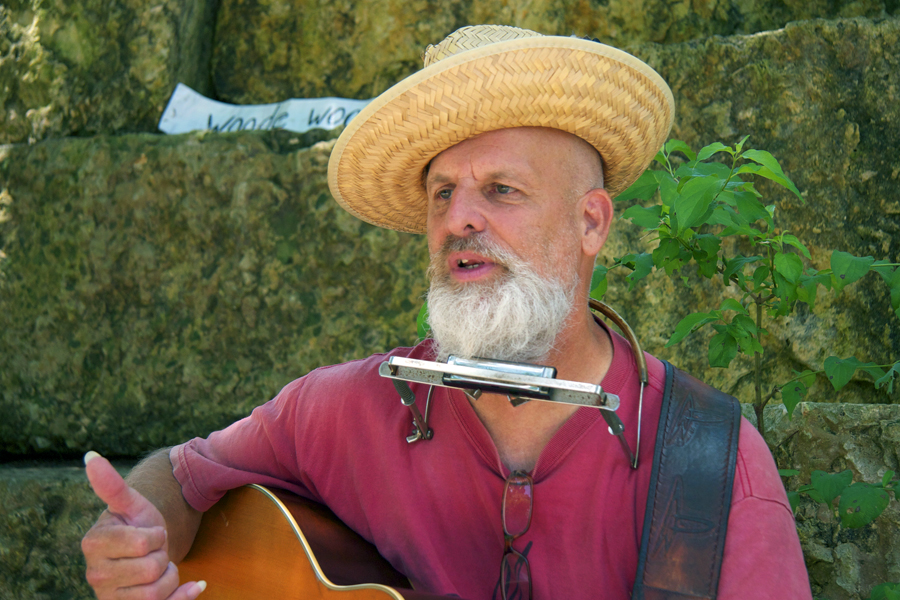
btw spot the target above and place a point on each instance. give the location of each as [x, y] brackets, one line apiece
[596, 210]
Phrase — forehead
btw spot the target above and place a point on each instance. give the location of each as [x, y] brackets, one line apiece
[536, 149]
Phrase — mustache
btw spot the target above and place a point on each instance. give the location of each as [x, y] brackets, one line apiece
[500, 256]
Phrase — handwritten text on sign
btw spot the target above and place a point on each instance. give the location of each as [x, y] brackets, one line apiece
[190, 111]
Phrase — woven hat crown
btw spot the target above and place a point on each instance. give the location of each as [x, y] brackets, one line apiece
[471, 37]
[488, 77]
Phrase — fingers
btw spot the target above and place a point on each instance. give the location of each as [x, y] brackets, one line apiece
[108, 540]
[112, 489]
[161, 584]
[188, 591]
[127, 572]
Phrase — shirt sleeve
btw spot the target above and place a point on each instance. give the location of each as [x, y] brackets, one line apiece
[763, 559]
[252, 450]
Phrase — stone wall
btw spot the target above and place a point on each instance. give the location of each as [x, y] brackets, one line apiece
[161, 287]
[154, 288]
[843, 564]
[820, 96]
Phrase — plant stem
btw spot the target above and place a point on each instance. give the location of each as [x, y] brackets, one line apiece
[759, 405]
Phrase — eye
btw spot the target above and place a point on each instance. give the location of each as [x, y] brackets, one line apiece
[444, 194]
[502, 189]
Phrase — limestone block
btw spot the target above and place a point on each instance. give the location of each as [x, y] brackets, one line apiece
[94, 66]
[44, 513]
[270, 51]
[844, 564]
[154, 288]
[822, 97]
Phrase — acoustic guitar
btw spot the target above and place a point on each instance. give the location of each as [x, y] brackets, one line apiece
[257, 543]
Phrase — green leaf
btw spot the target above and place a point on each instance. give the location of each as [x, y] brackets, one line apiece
[789, 265]
[709, 243]
[760, 274]
[886, 479]
[891, 277]
[693, 202]
[888, 378]
[793, 394]
[642, 189]
[740, 144]
[861, 503]
[809, 286]
[745, 326]
[732, 304]
[751, 208]
[422, 328]
[691, 323]
[722, 349]
[600, 290]
[840, 370]
[736, 264]
[708, 151]
[648, 218]
[815, 495]
[679, 146]
[643, 264]
[770, 170]
[598, 276]
[794, 500]
[786, 292]
[886, 591]
[793, 241]
[846, 268]
[830, 485]
[668, 187]
[668, 250]
[788, 472]
[743, 329]
[715, 169]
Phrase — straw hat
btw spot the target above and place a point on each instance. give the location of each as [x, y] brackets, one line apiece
[488, 77]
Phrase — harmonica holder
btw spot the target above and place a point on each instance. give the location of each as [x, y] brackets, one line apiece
[520, 382]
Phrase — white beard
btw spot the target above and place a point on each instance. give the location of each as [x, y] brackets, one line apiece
[514, 316]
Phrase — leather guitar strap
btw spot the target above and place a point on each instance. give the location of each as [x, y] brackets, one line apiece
[690, 491]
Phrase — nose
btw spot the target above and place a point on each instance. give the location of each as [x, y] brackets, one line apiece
[465, 212]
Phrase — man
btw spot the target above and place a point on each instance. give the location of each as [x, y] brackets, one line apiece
[506, 150]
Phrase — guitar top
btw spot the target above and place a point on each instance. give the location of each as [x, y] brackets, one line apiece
[260, 543]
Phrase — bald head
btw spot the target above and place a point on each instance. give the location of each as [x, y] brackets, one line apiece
[581, 162]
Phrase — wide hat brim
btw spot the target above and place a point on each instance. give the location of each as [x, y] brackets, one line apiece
[603, 95]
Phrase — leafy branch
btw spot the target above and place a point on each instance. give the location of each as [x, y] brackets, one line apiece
[858, 503]
[705, 210]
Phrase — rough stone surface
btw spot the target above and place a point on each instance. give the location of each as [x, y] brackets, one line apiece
[270, 51]
[158, 280]
[44, 513]
[843, 564]
[94, 66]
[822, 96]
[155, 288]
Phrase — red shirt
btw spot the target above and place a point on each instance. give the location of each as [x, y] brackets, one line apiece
[338, 436]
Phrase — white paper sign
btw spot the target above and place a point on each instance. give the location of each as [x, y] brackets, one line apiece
[188, 110]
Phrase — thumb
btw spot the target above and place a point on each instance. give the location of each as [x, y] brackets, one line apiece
[123, 500]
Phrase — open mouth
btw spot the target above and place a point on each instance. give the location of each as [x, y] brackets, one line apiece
[465, 263]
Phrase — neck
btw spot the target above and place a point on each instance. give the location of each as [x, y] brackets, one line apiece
[583, 352]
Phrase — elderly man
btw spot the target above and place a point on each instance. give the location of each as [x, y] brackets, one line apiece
[505, 150]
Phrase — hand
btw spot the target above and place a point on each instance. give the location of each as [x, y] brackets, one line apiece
[127, 550]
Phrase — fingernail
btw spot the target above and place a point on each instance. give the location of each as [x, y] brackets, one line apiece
[91, 455]
[202, 585]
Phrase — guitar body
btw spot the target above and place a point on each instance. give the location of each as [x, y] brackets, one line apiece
[258, 543]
